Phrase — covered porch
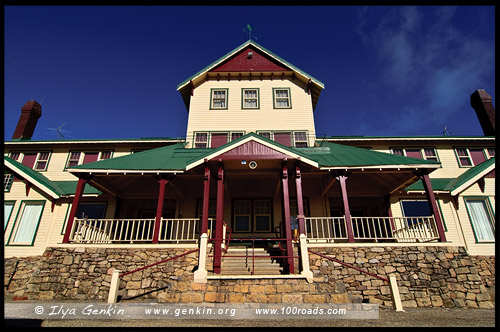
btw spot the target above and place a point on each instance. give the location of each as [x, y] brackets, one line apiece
[257, 189]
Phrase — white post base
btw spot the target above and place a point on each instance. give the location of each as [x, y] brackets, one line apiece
[304, 255]
[200, 275]
[396, 299]
[113, 288]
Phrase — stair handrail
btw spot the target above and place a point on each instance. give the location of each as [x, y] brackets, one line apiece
[160, 262]
[348, 265]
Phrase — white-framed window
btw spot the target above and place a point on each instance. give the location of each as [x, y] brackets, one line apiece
[266, 134]
[481, 218]
[218, 99]
[469, 157]
[34, 160]
[300, 138]
[7, 181]
[428, 153]
[84, 157]
[281, 98]
[262, 215]
[24, 231]
[250, 98]
[8, 207]
[235, 135]
[242, 215]
[201, 140]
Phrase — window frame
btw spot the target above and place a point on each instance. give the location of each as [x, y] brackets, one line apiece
[255, 214]
[17, 220]
[19, 157]
[243, 99]
[485, 151]
[82, 154]
[401, 200]
[275, 98]
[195, 141]
[306, 141]
[490, 213]
[423, 154]
[9, 179]
[226, 99]
[7, 219]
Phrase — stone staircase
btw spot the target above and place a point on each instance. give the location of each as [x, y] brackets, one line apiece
[244, 265]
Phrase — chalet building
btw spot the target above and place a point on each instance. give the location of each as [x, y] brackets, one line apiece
[251, 179]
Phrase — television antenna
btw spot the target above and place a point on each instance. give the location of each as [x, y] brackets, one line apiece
[446, 132]
[59, 131]
[249, 31]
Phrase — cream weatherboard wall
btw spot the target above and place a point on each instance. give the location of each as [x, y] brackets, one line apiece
[475, 247]
[17, 193]
[204, 119]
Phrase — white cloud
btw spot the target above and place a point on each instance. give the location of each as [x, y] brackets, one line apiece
[423, 54]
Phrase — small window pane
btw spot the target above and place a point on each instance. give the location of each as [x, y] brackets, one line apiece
[398, 152]
[7, 181]
[105, 155]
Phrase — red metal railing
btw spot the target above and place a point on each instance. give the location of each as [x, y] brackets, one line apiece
[253, 239]
[160, 262]
[348, 265]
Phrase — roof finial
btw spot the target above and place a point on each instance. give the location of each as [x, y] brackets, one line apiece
[249, 31]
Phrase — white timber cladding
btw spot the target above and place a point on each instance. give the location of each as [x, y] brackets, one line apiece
[237, 118]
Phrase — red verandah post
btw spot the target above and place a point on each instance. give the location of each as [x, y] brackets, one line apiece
[219, 218]
[74, 208]
[159, 209]
[300, 202]
[288, 225]
[347, 213]
[206, 200]
[433, 205]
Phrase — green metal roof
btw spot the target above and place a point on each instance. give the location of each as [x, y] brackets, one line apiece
[473, 174]
[460, 183]
[332, 154]
[237, 49]
[168, 158]
[55, 189]
[438, 184]
[177, 157]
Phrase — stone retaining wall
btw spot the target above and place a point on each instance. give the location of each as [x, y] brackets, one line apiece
[427, 276]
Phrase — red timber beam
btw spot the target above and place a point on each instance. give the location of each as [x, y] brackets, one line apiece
[159, 207]
[288, 225]
[219, 219]
[206, 199]
[74, 207]
[300, 201]
[433, 205]
[342, 177]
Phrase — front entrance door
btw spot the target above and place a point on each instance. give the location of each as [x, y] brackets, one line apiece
[252, 215]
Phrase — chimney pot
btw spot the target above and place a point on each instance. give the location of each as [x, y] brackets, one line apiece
[481, 101]
[30, 113]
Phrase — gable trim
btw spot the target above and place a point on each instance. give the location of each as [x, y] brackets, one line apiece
[31, 179]
[230, 146]
[471, 181]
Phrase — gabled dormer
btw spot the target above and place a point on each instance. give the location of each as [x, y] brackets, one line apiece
[250, 89]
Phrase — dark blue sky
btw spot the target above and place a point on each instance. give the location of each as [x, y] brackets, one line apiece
[112, 72]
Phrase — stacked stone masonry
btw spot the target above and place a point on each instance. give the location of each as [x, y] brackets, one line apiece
[427, 277]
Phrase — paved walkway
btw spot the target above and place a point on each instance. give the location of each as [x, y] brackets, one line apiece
[424, 317]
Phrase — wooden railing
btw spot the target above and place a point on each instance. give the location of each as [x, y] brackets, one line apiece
[397, 229]
[135, 230]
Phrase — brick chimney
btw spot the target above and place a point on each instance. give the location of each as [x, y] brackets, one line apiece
[30, 113]
[480, 100]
